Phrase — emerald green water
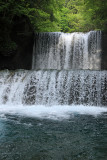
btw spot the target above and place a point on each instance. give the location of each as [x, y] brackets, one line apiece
[79, 137]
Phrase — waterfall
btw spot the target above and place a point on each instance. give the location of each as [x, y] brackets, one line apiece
[65, 71]
[67, 51]
[52, 87]
[58, 109]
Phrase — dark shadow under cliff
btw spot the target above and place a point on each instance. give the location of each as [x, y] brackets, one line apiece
[22, 34]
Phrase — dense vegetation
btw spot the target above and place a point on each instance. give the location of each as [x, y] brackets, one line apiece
[51, 16]
[84, 15]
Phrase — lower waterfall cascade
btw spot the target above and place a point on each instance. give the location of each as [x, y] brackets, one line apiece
[52, 87]
[65, 71]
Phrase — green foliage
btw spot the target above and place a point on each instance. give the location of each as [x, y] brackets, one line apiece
[97, 12]
[44, 16]
[84, 15]
[71, 17]
[57, 15]
[54, 15]
[40, 12]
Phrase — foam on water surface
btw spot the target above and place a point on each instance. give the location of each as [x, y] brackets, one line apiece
[50, 112]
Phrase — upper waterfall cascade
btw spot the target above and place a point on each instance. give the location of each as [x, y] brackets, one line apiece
[67, 51]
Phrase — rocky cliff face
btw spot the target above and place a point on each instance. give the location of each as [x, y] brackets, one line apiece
[104, 52]
[22, 34]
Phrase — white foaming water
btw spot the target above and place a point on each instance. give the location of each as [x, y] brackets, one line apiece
[67, 51]
[50, 112]
[52, 87]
